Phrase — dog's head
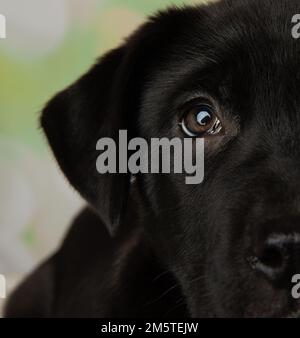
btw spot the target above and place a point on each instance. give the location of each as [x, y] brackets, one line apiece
[233, 240]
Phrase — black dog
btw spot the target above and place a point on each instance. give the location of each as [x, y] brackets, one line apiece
[225, 248]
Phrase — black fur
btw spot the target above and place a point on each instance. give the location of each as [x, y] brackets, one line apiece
[179, 250]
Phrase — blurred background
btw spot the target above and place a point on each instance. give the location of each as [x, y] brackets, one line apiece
[48, 45]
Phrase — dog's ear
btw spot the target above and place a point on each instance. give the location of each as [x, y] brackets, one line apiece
[76, 118]
[105, 100]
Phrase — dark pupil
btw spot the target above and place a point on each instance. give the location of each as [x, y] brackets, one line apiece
[204, 117]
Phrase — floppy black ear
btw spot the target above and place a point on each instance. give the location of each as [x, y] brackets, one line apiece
[76, 118]
[105, 100]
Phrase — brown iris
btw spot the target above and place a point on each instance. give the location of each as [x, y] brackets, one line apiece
[200, 120]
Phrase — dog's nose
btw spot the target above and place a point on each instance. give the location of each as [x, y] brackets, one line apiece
[279, 257]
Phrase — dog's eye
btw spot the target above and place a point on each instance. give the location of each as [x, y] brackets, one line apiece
[200, 120]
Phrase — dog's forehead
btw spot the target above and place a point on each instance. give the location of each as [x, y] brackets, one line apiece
[249, 33]
[247, 43]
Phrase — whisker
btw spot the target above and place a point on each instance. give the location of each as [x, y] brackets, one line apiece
[197, 279]
[160, 275]
[182, 303]
[162, 295]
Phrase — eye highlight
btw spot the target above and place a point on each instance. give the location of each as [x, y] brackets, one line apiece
[200, 120]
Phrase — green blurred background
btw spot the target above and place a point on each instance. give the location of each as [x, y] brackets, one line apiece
[49, 44]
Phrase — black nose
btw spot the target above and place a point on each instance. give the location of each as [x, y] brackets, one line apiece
[278, 258]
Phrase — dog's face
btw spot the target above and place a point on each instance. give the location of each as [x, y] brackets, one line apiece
[233, 241]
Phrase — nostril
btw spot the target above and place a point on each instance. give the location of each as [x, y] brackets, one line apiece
[273, 257]
[277, 257]
[271, 263]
